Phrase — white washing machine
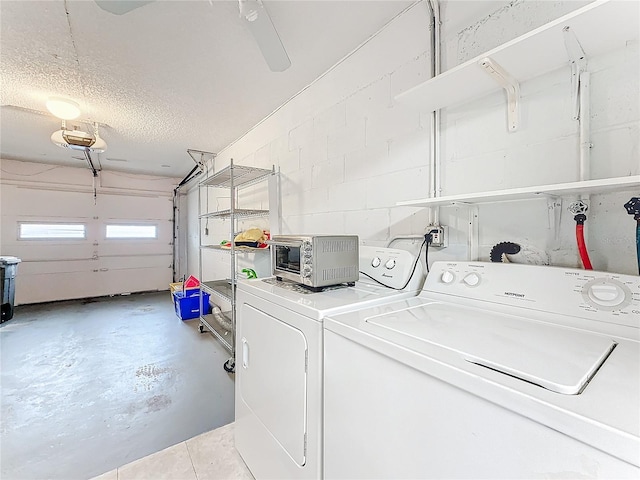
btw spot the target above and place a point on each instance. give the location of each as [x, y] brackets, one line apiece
[278, 424]
[492, 371]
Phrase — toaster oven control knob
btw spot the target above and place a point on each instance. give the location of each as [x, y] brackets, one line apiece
[447, 277]
[375, 263]
[472, 279]
[306, 271]
[390, 264]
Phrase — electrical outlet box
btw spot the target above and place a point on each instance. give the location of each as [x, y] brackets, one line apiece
[440, 236]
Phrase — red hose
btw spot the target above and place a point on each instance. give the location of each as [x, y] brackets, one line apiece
[582, 248]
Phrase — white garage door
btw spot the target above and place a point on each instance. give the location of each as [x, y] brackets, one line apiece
[74, 247]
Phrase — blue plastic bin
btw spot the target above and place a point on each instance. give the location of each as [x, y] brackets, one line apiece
[187, 305]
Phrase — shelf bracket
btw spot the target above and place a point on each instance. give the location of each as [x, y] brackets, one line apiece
[511, 87]
[578, 60]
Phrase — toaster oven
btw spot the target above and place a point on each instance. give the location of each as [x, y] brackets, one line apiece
[315, 261]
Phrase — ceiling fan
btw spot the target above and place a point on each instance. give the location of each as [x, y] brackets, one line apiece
[252, 12]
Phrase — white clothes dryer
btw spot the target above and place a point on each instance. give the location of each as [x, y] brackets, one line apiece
[492, 371]
[278, 418]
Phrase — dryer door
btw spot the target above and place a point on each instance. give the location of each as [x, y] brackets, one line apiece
[273, 382]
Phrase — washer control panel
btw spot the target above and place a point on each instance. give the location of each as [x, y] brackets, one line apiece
[602, 296]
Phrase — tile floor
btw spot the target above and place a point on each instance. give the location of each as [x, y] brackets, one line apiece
[209, 456]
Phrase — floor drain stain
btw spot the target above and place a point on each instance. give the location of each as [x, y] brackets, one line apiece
[158, 402]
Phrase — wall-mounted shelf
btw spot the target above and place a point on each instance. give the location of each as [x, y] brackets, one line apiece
[600, 27]
[586, 187]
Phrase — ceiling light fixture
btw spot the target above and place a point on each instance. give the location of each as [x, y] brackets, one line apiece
[63, 108]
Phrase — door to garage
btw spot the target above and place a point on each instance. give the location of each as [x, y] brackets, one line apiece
[74, 244]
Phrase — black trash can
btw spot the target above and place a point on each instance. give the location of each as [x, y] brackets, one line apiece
[8, 267]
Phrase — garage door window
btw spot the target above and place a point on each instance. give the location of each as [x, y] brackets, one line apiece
[51, 231]
[132, 231]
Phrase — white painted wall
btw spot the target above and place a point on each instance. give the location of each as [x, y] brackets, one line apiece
[347, 152]
[65, 269]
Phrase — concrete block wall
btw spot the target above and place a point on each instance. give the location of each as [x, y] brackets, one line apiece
[347, 152]
[478, 153]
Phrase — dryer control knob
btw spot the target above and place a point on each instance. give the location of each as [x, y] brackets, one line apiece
[390, 264]
[447, 276]
[375, 263]
[606, 294]
[472, 279]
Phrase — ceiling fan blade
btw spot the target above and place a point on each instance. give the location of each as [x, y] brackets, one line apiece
[120, 7]
[259, 23]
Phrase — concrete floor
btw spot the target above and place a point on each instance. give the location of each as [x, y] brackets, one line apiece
[88, 386]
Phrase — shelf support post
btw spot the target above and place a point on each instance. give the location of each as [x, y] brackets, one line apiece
[511, 87]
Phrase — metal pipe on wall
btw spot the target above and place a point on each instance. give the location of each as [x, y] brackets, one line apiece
[434, 158]
[585, 126]
[584, 136]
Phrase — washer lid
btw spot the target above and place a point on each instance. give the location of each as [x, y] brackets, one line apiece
[557, 358]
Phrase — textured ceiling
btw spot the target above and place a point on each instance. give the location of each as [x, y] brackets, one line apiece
[166, 77]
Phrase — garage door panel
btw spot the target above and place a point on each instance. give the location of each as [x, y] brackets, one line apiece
[113, 208]
[136, 280]
[36, 288]
[30, 267]
[45, 251]
[31, 202]
[64, 269]
[135, 261]
[39, 288]
[127, 248]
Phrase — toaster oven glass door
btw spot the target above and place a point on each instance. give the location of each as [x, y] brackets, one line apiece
[288, 258]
